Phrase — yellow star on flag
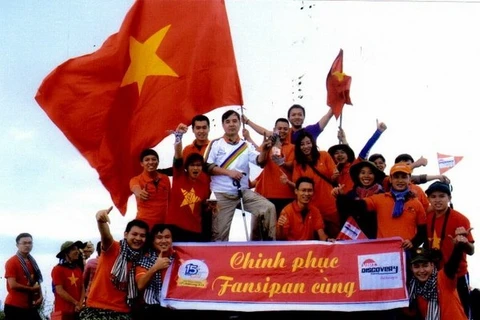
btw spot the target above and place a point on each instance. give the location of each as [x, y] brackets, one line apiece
[73, 280]
[145, 61]
[190, 198]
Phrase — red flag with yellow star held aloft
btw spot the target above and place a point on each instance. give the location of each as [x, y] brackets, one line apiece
[170, 60]
[338, 86]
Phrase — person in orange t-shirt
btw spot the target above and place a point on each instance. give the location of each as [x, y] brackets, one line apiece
[344, 156]
[399, 212]
[67, 281]
[113, 291]
[279, 163]
[24, 293]
[442, 222]
[318, 165]
[188, 198]
[433, 293]
[200, 129]
[151, 189]
[299, 220]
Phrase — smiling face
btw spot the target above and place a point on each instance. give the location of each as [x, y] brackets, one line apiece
[366, 177]
[136, 237]
[149, 163]
[422, 270]
[282, 129]
[72, 254]
[162, 241]
[380, 164]
[439, 201]
[304, 193]
[400, 181]
[296, 118]
[200, 130]
[306, 146]
[340, 156]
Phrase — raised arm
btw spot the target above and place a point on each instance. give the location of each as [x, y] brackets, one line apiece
[381, 127]
[257, 128]
[102, 223]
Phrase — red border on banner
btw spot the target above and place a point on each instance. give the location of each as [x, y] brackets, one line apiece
[287, 275]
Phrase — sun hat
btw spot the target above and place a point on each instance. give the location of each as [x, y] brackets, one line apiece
[345, 148]
[357, 167]
[67, 245]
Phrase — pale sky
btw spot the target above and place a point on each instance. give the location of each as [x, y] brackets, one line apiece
[414, 66]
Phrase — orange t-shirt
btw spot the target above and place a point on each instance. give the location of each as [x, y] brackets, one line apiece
[296, 228]
[193, 148]
[448, 299]
[434, 229]
[103, 294]
[153, 210]
[322, 193]
[344, 176]
[13, 269]
[186, 199]
[404, 226]
[422, 197]
[269, 184]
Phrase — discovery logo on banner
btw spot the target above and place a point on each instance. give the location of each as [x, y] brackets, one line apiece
[380, 271]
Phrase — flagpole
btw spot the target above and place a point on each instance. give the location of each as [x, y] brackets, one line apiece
[241, 115]
[340, 126]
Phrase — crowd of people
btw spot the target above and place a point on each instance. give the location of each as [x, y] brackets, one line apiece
[302, 193]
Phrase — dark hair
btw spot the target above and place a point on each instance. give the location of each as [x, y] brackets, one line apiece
[299, 156]
[159, 227]
[99, 247]
[148, 152]
[404, 157]
[376, 156]
[136, 223]
[228, 114]
[23, 235]
[192, 158]
[304, 179]
[200, 117]
[281, 120]
[295, 106]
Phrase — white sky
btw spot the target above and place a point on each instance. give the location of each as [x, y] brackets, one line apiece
[414, 66]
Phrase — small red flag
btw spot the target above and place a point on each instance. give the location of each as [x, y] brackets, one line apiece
[170, 60]
[351, 231]
[338, 86]
[446, 162]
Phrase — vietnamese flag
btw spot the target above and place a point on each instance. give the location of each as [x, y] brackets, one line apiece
[170, 60]
[338, 86]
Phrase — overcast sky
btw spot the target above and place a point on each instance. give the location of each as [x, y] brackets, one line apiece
[414, 66]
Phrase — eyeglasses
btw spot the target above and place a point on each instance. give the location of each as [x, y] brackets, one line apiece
[26, 243]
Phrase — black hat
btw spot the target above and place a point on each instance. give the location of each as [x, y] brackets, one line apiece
[439, 186]
[355, 170]
[67, 245]
[346, 148]
[425, 255]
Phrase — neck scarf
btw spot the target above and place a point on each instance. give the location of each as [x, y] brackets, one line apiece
[36, 270]
[399, 197]
[363, 192]
[152, 292]
[429, 291]
[122, 278]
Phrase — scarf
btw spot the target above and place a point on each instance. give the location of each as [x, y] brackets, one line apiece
[399, 197]
[36, 270]
[152, 292]
[122, 278]
[363, 192]
[429, 291]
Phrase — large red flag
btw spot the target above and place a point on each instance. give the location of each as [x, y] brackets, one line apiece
[446, 162]
[170, 60]
[338, 86]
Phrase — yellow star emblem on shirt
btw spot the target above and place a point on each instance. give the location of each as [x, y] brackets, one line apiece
[73, 280]
[190, 198]
[145, 61]
[435, 241]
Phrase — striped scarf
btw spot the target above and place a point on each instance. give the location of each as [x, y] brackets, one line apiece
[122, 278]
[429, 291]
[152, 292]
[36, 270]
